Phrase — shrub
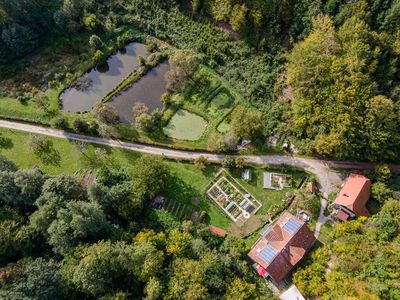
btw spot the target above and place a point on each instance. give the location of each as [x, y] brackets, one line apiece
[59, 122]
[80, 126]
[228, 162]
[201, 163]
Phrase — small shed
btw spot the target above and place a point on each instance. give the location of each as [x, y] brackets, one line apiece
[311, 187]
[246, 174]
[217, 231]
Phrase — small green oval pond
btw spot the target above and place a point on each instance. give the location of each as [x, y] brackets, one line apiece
[185, 126]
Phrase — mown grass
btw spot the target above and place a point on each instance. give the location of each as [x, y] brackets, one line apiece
[268, 197]
[186, 181]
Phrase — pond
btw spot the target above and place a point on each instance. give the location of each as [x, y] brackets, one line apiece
[103, 79]
[185, 125]
[147, 90]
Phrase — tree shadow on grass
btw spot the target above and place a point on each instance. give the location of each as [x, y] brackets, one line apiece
[6, 143]
[180, 191]
[50, 157]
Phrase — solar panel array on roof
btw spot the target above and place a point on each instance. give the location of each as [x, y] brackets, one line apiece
[292, 226]
[268, 254]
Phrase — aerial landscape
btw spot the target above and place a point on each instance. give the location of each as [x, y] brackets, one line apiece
[200, 149]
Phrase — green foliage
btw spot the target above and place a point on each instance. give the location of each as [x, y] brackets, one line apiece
[381, 192]
[105, 113]
[99, 268]
[228, 162]
[368, 274]
[334, 75]
[59, 122]
[78, 222]
[43, 148]
[247, 124]
[150, 175]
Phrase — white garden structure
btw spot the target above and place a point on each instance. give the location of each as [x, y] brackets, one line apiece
[232, 197]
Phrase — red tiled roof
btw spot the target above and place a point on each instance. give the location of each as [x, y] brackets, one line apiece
[355, 194]
[217, 231]
[290, 247]
[342, 215]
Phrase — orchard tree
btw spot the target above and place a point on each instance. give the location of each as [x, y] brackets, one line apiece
[42, 280]
[150, 176]
[9, 244]
[228, 162]
[42, 101]
[43, 148]
[7, 165]
[241, 290]
[64, 186]
[139, 109]
[184, 64]
[146, 260]
[145, 122]
[19, 39]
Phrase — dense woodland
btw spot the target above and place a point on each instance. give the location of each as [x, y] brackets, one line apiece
[324, 73]
[60, 239]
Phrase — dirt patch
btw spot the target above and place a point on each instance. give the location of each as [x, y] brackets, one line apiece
[243, 229]
[195, 201]
[195, 216]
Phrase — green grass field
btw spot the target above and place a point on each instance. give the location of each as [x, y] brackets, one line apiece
[185, 126]
[265, 196]
[186, 181]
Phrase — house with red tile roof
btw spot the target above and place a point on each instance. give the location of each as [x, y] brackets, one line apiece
[281, 247]
[354, 195]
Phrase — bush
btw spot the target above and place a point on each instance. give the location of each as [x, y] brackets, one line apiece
[80, 126]
[228, 163]
[200, 163]
[59, 122]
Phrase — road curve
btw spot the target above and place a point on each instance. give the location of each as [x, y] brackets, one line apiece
[328, 179]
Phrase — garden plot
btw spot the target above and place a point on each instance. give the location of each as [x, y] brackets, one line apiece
[232, 197]
[276, 181]
[178, 210]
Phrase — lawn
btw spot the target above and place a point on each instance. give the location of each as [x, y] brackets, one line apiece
[185, 126]
[268, 197]
[186, 181]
